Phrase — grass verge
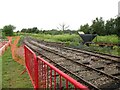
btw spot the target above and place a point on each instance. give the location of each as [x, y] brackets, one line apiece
[11, 71]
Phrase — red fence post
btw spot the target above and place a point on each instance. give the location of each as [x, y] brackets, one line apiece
[36, 71]
[31, 63]
[54, 80]
[67, 84]
[45, 69]
[40, 70]
[61, 74]
[60, 83]
[51, 78]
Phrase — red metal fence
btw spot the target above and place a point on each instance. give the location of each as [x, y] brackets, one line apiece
[3, 46]
[45, 75]
[31, 65]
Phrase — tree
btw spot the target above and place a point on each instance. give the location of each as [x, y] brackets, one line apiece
[8, 30]
[63, 27]
[117, 21]
[35, 30]
[98, 26]
[85, 28]
[24, 30]
[110, 27]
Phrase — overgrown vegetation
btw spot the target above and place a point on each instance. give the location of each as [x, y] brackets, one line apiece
[2, 34]
[20, 41]
[107, 39]
[108, 50]
[60, 38]
[71, 38]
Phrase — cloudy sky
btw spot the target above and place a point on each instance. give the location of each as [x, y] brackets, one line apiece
[48, 14]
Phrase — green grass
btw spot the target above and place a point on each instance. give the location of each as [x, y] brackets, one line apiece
[20, 41]
[72, 39]
[11, 70]
[58, 38]
[107, 39]
[13, 39]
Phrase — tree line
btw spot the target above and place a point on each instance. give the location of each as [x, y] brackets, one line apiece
[51, 32]
[101, 27]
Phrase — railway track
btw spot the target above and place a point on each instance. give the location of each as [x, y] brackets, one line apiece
[107, 44]
[59, 44]
[94, 78]
[92, 53]
[106, 64]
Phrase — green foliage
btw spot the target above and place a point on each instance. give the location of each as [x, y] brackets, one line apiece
[74, 40]
[107, 50]
[8, 30]
[51, 32]
[2, 34]
[20, 41]
[30, 30]
[107, 39]
[85, 28]
[117, 20]
[58, 38]
[98, 26]
[101, 27]
[110, 27]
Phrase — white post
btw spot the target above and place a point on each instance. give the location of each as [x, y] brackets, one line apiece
[119, 9]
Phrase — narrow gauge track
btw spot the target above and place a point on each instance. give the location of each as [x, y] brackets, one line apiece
[97, 78]
[108, 64]
[107, 44]
[79, 79]
[97, 54]
[111, 66]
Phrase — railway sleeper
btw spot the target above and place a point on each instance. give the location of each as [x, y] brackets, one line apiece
[113, 72]
[98, 66]
[88, 75]
[110, 86]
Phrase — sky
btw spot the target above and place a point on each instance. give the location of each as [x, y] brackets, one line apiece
[48, 14]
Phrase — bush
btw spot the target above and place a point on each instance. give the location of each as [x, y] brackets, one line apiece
[8, 30]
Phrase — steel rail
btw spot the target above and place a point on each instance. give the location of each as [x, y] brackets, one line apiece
[79, 79]
[56, 52]
[97, 54]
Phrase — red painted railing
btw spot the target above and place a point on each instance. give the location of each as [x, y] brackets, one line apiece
[31, 65]
[45, 75]
[4, 46]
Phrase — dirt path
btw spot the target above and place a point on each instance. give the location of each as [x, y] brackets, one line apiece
[17, 52]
